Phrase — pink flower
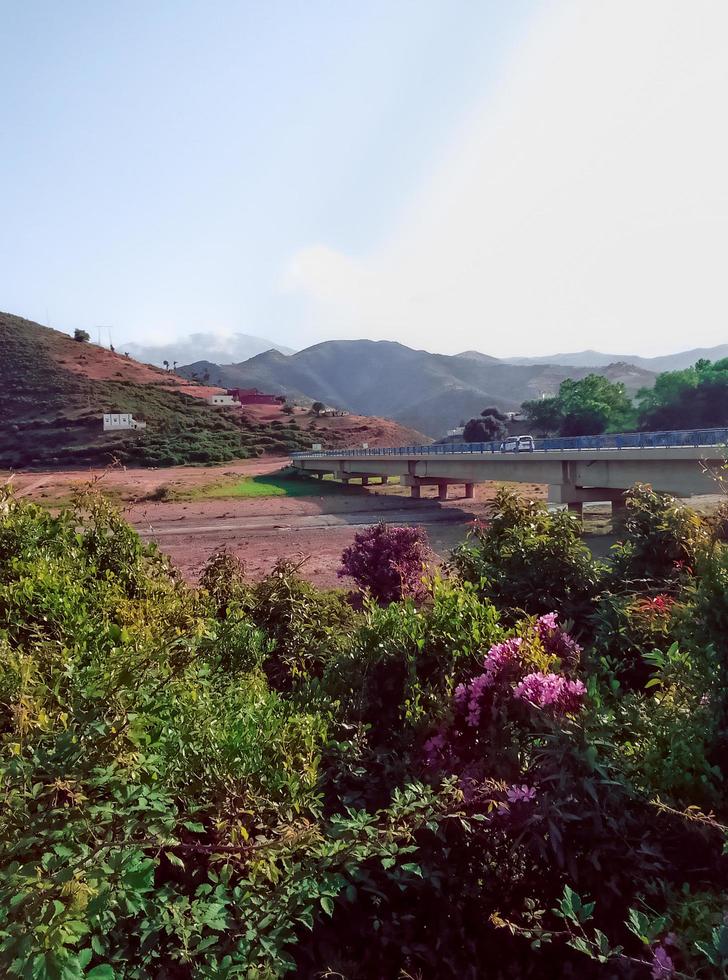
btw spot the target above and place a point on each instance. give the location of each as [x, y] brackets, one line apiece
[662, 965]
[552, 692]
[521, 794]
[500, 660]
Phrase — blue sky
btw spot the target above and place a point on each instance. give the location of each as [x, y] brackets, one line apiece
[395, 169]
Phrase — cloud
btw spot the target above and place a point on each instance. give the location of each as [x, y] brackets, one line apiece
[583, 203]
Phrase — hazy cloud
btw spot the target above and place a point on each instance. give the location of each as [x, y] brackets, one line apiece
[584, 202]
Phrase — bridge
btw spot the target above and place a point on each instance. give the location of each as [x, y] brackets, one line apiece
[576, 470]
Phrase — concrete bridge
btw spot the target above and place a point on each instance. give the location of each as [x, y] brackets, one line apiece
[573, 475]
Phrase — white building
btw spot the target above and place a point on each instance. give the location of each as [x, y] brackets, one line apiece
[457, 431]
[113, 421]
[221, 400]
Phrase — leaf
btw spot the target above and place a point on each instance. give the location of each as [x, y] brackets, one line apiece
[103, 972]
[327, 904]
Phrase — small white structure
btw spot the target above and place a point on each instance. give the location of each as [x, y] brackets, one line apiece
[457, 431]
[113, 421]
[221, 400]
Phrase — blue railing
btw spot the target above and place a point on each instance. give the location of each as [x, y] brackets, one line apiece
[694, 438]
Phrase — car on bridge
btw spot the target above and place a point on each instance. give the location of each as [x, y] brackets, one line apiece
[518, 444]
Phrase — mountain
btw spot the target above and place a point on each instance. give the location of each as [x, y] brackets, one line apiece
[429, 392]
[203, 346]
[54, 391]
[594, 358]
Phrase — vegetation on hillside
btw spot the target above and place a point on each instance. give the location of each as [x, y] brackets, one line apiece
[508, 776]
[691, 399]
[51, 415]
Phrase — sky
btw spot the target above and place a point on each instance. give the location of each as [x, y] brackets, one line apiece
[516, 178]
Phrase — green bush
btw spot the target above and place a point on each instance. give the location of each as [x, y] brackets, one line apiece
[528, 558]
[256, 780]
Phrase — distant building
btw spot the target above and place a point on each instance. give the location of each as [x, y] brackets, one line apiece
[456, 432]
[113, 421]
[251, 396]
[221, 400]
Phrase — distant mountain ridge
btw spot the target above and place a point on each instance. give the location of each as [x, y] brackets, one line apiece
[203, 346]
[428, 392]
[595, 358]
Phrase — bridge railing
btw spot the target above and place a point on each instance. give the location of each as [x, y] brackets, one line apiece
[624, 440]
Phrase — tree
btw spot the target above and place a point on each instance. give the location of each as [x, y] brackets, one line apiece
[490, 427]
[544, 414]
[166, 365]
[594, 404]
[82, 336]
[174, 365]
[317, 408]
[288, 409]
[585, 407]
[696, 397]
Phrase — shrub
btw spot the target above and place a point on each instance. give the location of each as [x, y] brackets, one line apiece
[662, 539]
[388, 562]
[527, 558]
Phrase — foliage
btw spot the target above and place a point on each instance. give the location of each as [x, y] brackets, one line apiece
[530, 559]
[545, 414]
[696, 397]
[488, 428]
[257, 780]
[585, 407]
[81, 335]
[662, 539]
[389, 562]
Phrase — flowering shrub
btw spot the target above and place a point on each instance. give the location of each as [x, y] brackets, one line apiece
[390, 563]
[256, 780]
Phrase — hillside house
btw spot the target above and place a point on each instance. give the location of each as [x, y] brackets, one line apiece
[221, 400]
[114, 421]
[251, 396]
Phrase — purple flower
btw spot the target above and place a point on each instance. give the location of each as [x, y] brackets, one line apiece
[662, 965]
[434, 747]
[552, 692]
[500, 660]
[556, 642]
[521, 794]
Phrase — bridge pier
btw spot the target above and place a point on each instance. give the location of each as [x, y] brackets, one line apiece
[442, 491]
[469, 491]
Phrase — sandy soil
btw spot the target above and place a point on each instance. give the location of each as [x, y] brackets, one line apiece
[262, 530]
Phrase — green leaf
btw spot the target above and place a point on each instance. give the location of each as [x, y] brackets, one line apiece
[103, 972]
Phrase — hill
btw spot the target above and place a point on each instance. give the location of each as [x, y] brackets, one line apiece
[54, 390]
[201, 346]
[595, 358]
[429, 392]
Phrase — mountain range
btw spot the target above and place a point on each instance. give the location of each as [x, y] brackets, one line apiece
[595, 358]
[429, 392]
[195, 346]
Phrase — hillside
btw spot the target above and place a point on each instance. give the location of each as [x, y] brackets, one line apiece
[54, 390]
[429, 392]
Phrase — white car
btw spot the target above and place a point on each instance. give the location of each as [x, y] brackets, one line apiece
[517, 444]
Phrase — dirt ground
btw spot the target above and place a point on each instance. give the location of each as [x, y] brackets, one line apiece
[264, 529]
[261, 530]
